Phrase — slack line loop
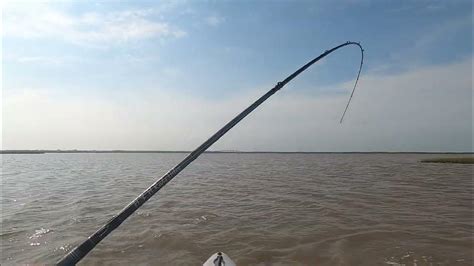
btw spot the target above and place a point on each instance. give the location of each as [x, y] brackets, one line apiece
[85, 247]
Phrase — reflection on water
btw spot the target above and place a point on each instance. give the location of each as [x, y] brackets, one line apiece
[261, 209]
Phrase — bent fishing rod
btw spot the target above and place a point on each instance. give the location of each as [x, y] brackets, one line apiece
[85, 247]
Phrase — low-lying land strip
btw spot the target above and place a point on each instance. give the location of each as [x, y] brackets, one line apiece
[464, 160]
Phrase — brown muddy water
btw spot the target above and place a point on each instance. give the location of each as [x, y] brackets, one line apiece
[261, 209]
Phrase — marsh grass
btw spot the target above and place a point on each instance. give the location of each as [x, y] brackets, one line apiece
[463, 160]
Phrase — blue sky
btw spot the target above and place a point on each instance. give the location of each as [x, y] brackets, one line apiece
[125, 58]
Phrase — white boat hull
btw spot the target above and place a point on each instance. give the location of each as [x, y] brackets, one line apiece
[219, 259]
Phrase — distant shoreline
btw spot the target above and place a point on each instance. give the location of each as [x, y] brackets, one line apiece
[460, 160]
[244, 152]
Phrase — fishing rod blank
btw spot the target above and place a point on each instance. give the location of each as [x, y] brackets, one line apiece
[85, 247]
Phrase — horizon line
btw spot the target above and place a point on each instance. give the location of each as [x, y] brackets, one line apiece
[42, 151]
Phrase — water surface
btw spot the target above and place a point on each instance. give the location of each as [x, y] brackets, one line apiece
[261, 209]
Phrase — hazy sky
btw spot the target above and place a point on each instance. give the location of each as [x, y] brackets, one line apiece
[165, 75]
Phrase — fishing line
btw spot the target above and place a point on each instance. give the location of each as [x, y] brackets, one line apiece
[85, 247]
[355, 83]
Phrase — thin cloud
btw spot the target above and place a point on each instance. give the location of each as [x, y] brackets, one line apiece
[214, 20]
[90, 28]
[40, 59]
[443, 31]
[425, 109]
